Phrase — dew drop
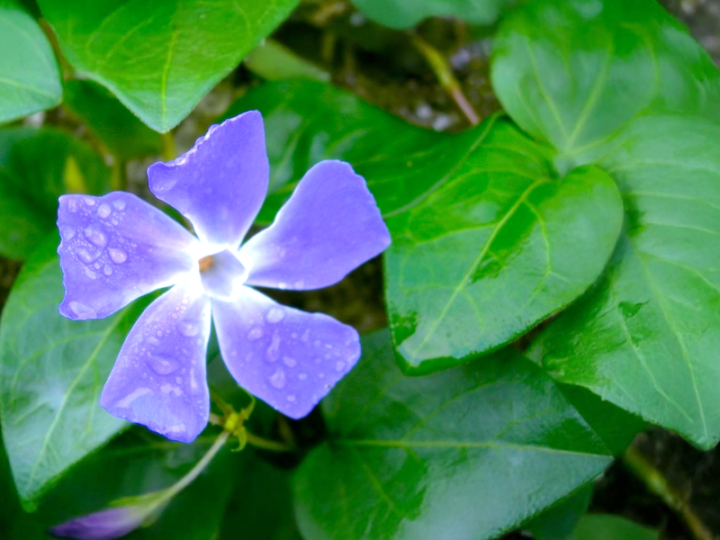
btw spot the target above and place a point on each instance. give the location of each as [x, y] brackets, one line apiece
[89, 201]
[299, 284]
[89, 273]
[306, 335]
[117, 255]
[72, 205]
[289, 362]
[189, 329]
[321, 375]
[291, 398]
[275, 315]
[317, 343]
[96, 236]
[85, 256]
[104, 210]
[119, 204]
[68, 233]
[163, 365]
[255, 333]
[273, 351]
[107, 270]
[302, 376]
[340, 366]
[277, 379]
[83, 311]
[282, 285]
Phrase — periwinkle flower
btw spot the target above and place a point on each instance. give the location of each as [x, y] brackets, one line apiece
[104, 525]
[116, 248]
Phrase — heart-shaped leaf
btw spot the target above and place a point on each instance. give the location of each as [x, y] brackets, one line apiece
[161, 58]
[426, 457]
[500, 244]
[51, 373]
[29, 76]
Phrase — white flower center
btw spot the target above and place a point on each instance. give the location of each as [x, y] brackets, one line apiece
[222, 275]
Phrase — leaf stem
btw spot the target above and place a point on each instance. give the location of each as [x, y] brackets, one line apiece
[168, 151]
[656, 483]
[266, 444]
[445, 77]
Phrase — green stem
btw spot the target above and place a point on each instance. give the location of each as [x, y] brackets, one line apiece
[656, 483]
[265, 444]
[168, 146]
[446, 78]
[118, 180]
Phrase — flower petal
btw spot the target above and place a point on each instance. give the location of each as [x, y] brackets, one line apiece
[220, 184]
[104, 525]
[288, 358]
[159, 376]
[115, 249]
[329, 226]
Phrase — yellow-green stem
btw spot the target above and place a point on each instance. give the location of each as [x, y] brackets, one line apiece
[446, 78]
[266, 444]
[656, 483]
[168, 146]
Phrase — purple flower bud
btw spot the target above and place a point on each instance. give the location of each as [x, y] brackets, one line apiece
[103, 525]
[117, 247]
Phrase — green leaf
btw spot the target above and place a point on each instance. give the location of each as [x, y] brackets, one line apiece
[273, 61]
[261, 505]
[138, 462]
[36, 167]
[161, 58]
[608, 527]
[51, 372]
[407, 13]
[120, 130]
[497, 246]
[486, 200]
[574, 73]
[646, 338]
[29, 76]
[428, 457]
[560, 520]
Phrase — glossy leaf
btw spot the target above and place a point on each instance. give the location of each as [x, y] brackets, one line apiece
[646, 338]
[608, 527]
[407, 13]
[497, 246]
[432, 188]
[36, 167]
[410, 458]
[560, 520]
[273, 61]
[29, 76]
[51, 373]
[574, 73]
[160, 58]
[119, 129]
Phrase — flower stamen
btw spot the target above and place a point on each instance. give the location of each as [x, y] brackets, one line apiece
[206, 263]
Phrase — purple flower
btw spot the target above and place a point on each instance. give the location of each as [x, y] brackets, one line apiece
[117, 248]
[103, 525]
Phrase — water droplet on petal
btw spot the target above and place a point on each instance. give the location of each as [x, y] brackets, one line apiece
[85, 256]
[273, 351]
[299, 284]
[89, 201]
[306, 335]
[255, 333]
[340, 366]
[277, 379]
[317, 343]
[291, 398]
[68, 233]
[275, 315]
[282, 285]
[119, 204]
[83, 311]
[289, 362]
[302, 376]
[104, 210]
[107, 270]
[96, 236]
[189, 329]
[163, 365]
[117, 255]
[72, 205]
[89, 273]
